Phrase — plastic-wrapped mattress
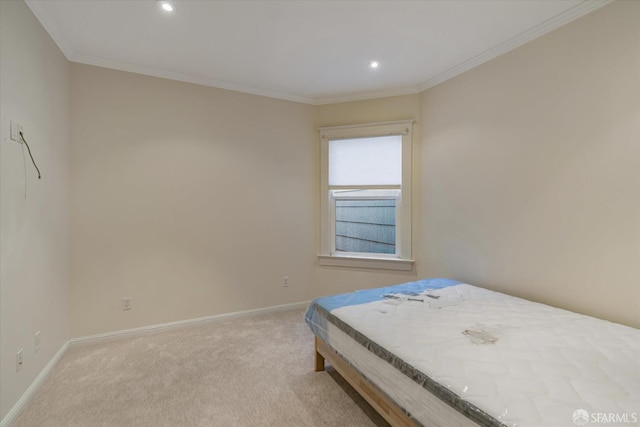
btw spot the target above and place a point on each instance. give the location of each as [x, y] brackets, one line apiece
[452, 354]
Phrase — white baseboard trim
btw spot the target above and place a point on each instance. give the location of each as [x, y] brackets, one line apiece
[35, 385]
[158, 327]
[28, 394]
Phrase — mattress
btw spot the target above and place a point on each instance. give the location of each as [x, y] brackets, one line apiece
[449, 353]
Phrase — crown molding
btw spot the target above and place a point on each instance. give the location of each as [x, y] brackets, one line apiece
[411, 90]
[581, 9]
[58, 37]
[532, 33]
[187, 78]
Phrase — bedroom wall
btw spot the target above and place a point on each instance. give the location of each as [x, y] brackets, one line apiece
[172, 186]
[531, 170]
[194, 201]
[34, 254]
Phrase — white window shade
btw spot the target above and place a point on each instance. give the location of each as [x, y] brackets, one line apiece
[366, 161]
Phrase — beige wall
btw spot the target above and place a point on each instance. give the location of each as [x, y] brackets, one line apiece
[531, 170]
[369, 111]
[193, 201]
[514, 166]
[34, 256]
[196, 201]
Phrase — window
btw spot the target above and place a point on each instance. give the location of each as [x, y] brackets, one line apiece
[366, 195]
[364, 221]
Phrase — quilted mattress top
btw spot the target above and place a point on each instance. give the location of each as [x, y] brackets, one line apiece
[522, 363]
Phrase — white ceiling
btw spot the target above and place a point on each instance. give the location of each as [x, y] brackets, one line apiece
[308, 51]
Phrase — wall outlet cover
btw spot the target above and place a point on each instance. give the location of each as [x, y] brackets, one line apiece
[19, 360]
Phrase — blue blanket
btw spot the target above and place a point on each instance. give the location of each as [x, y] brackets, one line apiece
[318, 309]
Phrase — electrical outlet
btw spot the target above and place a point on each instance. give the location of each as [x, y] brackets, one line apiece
[126, 303]
[16, 128]
[285, 282]
[36, 342]
[19, 360]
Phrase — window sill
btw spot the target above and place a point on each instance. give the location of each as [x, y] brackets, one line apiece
[366, 262]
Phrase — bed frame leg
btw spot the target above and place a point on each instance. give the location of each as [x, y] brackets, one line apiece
[319, 361]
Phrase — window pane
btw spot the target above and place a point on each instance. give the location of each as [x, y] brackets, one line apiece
[366, 161]
[366, 225]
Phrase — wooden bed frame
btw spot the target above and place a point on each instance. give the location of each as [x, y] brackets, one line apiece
[387, 408]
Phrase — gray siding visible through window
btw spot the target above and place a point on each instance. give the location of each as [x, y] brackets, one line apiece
[366, 226]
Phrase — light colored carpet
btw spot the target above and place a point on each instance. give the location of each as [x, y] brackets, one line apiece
[251, 371]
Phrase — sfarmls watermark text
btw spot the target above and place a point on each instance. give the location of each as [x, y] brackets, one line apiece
[582, 417]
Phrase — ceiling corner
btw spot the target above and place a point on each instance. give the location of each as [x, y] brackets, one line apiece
[581, 9]
[52, 29]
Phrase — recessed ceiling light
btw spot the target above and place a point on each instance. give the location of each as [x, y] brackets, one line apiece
[167, 6]
[374, 64]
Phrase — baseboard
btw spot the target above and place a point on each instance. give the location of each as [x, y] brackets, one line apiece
[35, 385]
[158, 327]
[24, 399]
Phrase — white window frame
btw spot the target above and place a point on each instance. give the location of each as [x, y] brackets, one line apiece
[402, 259]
